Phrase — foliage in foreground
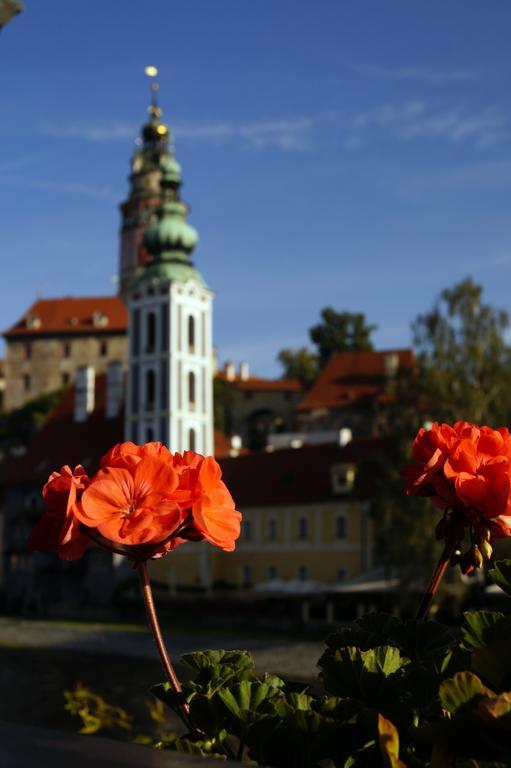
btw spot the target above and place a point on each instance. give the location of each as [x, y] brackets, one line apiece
[395, 694]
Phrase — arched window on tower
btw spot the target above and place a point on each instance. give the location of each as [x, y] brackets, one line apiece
[191, 440]
[150, 389]
[191, 389]
[151, 332]
[191, 333]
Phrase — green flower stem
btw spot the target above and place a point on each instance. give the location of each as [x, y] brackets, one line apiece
[452, 540]
[152, 617]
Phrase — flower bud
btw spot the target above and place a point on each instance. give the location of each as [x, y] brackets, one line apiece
[486, 549]
[477, 557]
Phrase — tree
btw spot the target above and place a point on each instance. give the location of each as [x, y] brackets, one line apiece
[464, 363]
[337, 332]
[340, 332]
[301, 364]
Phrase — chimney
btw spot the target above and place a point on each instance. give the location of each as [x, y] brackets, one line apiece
[84, 392]
[391, 363]
[230, 371]
[114, 389]
[244, 371]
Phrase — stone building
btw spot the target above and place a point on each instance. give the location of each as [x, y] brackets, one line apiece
[55, 337]
[257, 406]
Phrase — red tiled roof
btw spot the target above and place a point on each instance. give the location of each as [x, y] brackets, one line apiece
[294, 475]
[352, 378]
[72, 315]
[256, 383]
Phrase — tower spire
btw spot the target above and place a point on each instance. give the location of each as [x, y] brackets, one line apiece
[154, 108]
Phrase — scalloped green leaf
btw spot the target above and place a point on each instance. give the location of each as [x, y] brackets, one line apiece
[369, 631]
[460, 690]
[245, 700]
[200, 660]
[423, 641]
[481, 628]
[493, 663]
[500, 574]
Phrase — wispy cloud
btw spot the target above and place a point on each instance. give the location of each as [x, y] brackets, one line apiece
[413, 120]
[291, 134]
[51, 185]
[93, 133]
[421, 74]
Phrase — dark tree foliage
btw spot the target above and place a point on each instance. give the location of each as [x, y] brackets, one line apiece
[340, 332]
[301, 364]
[337, 332]
[222, 405]
[18, 426]
[464, 363]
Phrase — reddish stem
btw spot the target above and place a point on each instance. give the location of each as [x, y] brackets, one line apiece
[451, 542]
[147, 594]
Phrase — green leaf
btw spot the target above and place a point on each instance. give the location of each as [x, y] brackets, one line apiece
[385, 660]
[217, 669]
[461, 690]
[495, 711]
[245, 700]
[493, 663]
[371, 678]
[423, 641]
[205, 660]
[368, 632]
[500, 574]
[204, 748]
[481, 628]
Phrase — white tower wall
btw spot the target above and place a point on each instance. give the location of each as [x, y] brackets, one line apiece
[170, 382]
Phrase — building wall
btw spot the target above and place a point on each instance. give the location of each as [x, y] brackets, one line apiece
[255, 413]
[34, 366]
[272, 546]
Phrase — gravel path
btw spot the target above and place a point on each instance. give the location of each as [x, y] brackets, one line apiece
[295, 660]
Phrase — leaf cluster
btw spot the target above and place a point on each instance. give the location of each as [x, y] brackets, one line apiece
[394, 694]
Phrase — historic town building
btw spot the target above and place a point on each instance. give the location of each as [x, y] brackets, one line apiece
[56, 337]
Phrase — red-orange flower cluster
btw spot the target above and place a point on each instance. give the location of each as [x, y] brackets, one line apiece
[143, 498]
[466, 470]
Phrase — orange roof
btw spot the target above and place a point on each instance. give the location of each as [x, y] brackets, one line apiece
[354, 378]
[262, 385]
[83, 315]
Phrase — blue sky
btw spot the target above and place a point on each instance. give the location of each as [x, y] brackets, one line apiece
[336, 153]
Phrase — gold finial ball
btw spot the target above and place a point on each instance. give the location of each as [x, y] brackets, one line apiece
[151, 71]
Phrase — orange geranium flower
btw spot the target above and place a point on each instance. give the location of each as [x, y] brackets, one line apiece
[133, 504]
[59, 530]
[144, 498]
[466, 469]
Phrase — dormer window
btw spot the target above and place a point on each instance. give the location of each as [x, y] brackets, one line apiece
[33, 322]
[342, 478]
[99, 319]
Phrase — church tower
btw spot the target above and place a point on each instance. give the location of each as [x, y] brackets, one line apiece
[170, 380]
[144, 197]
